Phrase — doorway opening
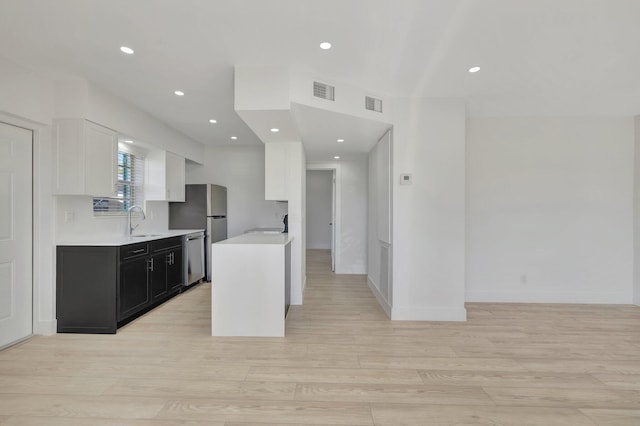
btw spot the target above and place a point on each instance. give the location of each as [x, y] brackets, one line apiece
[321, 216]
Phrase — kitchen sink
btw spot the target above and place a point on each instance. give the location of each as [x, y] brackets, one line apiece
[146, 235]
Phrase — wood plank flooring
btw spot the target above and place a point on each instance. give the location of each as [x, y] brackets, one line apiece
[342, 362]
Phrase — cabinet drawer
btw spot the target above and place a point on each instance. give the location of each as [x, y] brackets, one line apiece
[164, 244]
[134, 250]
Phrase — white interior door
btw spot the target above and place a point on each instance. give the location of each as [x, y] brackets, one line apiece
[15, 234]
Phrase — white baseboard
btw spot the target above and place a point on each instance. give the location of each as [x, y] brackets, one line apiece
[45, 328]
[304, 288]
[381, 300]
[352, 270]
[8, 345]
[408, 313]
[614, 298]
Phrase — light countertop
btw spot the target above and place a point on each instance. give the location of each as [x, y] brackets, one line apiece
[258, 238]
[265, 230]
[122, 240]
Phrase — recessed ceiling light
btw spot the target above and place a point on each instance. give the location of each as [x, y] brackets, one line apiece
[340, 140]
[127, 50]
[234, 138]
[337, 157]
[474, 69]
[325, 45]
[179, 93]
[274, 130]
[212, 121]
[127, 141]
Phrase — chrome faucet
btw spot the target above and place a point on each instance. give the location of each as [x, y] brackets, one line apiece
[131, 209]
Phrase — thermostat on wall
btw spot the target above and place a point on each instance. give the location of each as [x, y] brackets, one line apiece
[405, 179]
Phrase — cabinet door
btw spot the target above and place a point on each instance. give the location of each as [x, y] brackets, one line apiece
[175, 272]
[175, 177]
[159, 287]
[165, 176]
[101, 156]
[133, 291]
[275, 166]
[86, 305]
[85, 158]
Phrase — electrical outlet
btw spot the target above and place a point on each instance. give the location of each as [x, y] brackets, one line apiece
[406, 179]
[69, 216]
[523, 278]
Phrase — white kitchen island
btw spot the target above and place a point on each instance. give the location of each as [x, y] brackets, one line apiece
[250, 285]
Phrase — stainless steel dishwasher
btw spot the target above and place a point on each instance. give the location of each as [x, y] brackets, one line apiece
[194, 258]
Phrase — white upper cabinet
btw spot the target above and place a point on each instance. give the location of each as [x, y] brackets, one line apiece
[165, 178]
[276, 170]
[175, 177]
[86, 159]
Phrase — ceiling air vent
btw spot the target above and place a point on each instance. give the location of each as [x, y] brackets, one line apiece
[373, 104]
[323, 91]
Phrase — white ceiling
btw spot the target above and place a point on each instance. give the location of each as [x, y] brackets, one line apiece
[537, 56]
[321, 140]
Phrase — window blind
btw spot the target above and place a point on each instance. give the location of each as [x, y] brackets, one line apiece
[130, 188]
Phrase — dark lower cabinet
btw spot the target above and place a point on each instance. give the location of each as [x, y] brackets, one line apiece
[86, 289]
[175, 271]
[102, 288]
[159, 287]
[133, 288]
[167, 274]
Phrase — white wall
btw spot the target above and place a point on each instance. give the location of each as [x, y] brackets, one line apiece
[429, 215]
[349, 99]
[353, 238]
[84, 223]
[550, 209]
[319, 208]
[261, 88]
[636, 215]
[241, 170]
[79, 98]
[25, 94]
[27, 101]
[82, 99]
[351, 213]
[379, 223]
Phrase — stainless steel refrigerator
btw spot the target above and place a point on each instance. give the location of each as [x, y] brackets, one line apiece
[204, 207]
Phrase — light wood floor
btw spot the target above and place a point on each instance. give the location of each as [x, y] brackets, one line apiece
[341, 362]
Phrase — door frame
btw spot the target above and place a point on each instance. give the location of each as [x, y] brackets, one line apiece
[336, 213]
[31, 223]
[333, 221]
[43, 220]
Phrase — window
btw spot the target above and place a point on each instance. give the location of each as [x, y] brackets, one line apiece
[130, 185]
